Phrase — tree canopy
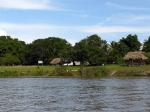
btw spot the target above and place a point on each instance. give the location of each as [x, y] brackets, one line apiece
[125, 44]
[93, 50]
[12, 49]
[47, 49]
[131, 43]
[146, 46]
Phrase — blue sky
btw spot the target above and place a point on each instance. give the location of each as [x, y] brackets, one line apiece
[74, 19]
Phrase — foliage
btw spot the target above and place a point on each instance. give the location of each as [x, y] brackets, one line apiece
[119, 49]
[12, 51]
[148, 55]
[92, 49]
[146, 46]
[9, 59]
[131, 42]
[47, 49]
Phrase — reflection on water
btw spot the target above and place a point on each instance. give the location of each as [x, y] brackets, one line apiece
[75, 95]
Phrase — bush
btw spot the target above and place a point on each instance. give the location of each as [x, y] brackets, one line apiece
[9, 59]
[148, 55]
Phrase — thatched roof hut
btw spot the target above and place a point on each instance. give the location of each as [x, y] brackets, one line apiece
[56, 61]
[135, 55]
[135, 58]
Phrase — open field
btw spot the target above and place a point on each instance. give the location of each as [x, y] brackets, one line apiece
[77, 71]
[31, 71]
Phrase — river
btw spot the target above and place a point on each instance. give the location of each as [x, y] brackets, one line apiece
[75, 95]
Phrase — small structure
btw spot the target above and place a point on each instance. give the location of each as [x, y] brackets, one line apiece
[68, 64]
[135, 58]
[40, 62]
[56, 61]
[75, 63]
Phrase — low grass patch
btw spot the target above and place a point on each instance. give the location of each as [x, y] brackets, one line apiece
[71, 71]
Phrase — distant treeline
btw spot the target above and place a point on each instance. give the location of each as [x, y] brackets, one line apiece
[92, 49]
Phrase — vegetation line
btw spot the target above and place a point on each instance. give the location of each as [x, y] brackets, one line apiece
[73, 72]
[92, 50]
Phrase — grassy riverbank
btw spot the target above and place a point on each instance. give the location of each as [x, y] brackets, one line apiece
[87, 72]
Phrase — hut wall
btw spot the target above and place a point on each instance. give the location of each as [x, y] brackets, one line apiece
[138, 62]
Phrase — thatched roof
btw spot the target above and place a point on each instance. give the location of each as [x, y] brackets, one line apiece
[56, 61]
[135, 55]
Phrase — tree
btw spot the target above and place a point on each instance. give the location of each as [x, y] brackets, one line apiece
[146, 46]
[119, 49]
[47, 49]
[13, 47]
[91, 49]
[132, 42]
[9, 59]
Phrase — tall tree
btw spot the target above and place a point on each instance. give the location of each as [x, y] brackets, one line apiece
[119, 49]
[146, 46]
[47, 49]
[132, 42]
[11, 48]
[127, 44]
[92, 49]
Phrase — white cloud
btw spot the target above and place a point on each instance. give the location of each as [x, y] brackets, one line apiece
[2, 32]
[30, 32]
[124, 7]
[38, 27]
[12, 26]
[128, 19]
[140, 17]
[116, 29]
[57, 28]
[29, 4]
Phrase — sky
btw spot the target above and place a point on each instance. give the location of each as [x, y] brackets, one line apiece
[74, 20]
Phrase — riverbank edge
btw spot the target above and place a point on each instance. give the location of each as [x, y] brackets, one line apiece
[73, 72]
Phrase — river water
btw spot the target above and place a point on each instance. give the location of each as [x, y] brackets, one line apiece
[75, 95]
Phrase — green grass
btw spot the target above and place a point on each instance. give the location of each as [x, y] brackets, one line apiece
[25, 71]
[118, 67]
[129, 71]
[77, 71]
